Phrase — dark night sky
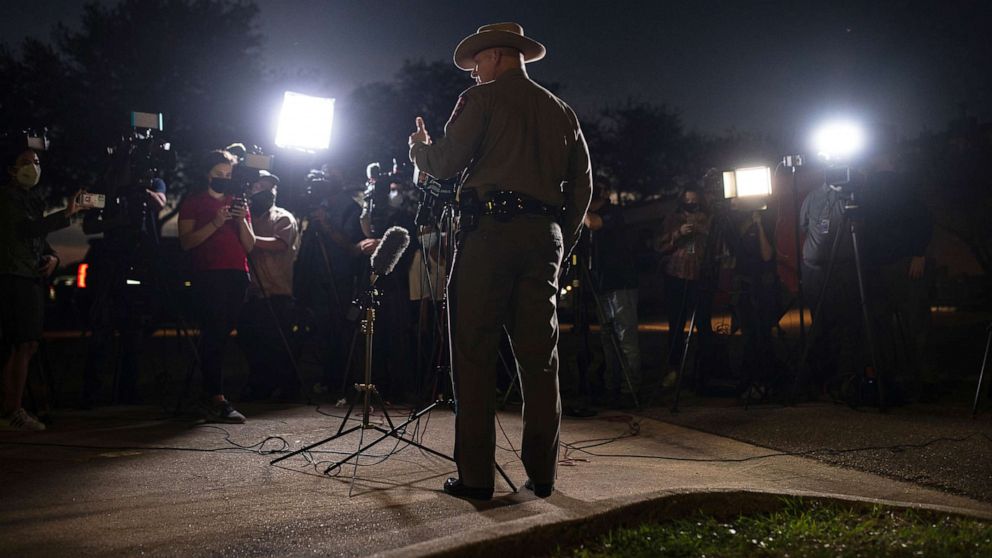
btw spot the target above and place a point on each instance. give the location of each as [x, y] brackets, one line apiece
[764, 66]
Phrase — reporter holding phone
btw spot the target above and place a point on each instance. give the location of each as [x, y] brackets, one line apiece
[217, 233]
[26, 259]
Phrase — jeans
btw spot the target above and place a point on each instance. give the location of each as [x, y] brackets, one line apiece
[620, 309]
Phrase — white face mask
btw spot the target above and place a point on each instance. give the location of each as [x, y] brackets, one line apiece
[395, 199]
[28, 175]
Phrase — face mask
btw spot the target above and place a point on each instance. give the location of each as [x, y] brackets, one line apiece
[690, 207]
[263, 200]
[221, 185]
[28, 175]
[395, 199]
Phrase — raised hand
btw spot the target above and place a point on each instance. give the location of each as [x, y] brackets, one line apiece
[421, 135]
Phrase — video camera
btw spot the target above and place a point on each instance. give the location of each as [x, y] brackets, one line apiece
[142, 154]
[378, 187]
[251, 160]
[140, 159]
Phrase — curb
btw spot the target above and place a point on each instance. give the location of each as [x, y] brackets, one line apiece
[562, 528]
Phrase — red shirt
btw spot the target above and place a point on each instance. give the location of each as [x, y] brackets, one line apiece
[221, 250]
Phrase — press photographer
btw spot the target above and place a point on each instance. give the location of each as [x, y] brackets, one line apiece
[26, 259]
[266, 319]
[215, 228]
[134, 194]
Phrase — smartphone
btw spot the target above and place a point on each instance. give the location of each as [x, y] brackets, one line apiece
[87, 200]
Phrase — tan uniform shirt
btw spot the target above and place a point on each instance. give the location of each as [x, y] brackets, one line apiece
[513, 134]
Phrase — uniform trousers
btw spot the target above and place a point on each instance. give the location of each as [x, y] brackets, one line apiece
[505, 275]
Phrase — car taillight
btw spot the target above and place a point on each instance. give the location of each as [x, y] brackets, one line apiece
[81, 275]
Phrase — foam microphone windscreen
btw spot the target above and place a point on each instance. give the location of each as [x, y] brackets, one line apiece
[390, 250]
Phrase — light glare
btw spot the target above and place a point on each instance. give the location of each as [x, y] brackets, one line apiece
[305, 122]
[838, 140]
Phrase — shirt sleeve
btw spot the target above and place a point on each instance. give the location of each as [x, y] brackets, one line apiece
[463, 135]
[285, 230]
[578, 185]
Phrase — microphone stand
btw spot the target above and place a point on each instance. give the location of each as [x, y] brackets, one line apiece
[368, 394]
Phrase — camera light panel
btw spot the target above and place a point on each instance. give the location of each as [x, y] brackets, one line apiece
[305, 122]
[747, 182]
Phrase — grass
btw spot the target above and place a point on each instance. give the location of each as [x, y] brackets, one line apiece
[800, 529]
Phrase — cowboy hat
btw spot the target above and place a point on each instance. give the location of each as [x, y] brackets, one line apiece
[497, 35]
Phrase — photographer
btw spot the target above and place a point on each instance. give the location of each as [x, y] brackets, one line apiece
[216, 231]
[333, 252]
[264, 325]
[755, 295]
[684, 241]
[615, 282]
[835, 343]
[129, 250]
[26, 259]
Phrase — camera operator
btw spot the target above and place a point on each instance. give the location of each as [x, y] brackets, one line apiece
[755, 297]
[216, 231]
[26, 259]
[334, 251]
[264, 325]
[130, 244]
[898, 230]
[615, 278]
[684, 242]
[835, 345]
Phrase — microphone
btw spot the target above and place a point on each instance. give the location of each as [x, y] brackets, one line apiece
[389, 251]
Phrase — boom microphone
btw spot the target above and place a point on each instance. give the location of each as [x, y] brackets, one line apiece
[389, 251]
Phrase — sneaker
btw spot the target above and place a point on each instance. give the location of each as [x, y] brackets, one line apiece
[224, 412]
[21, 420]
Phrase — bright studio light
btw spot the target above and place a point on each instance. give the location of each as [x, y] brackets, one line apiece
[838, 140]
[305, 122]
[747, 183]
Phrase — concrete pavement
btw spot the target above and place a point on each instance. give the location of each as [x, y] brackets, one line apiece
[94, 485]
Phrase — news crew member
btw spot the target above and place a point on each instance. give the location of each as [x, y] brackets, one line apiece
[217, 233]
[264, 325]
[26, 259]
[526, 161]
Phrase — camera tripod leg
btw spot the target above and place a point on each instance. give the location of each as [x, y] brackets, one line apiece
[682, 362]
[866, 316]
[981, 373]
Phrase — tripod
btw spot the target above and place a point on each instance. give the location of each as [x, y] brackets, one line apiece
[981, 373]
[585, 284]
[852, 224]
[367, 392]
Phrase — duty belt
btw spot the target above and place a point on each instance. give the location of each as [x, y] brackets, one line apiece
[504, 205]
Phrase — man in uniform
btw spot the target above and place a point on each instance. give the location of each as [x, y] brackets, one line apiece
[525, 164]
